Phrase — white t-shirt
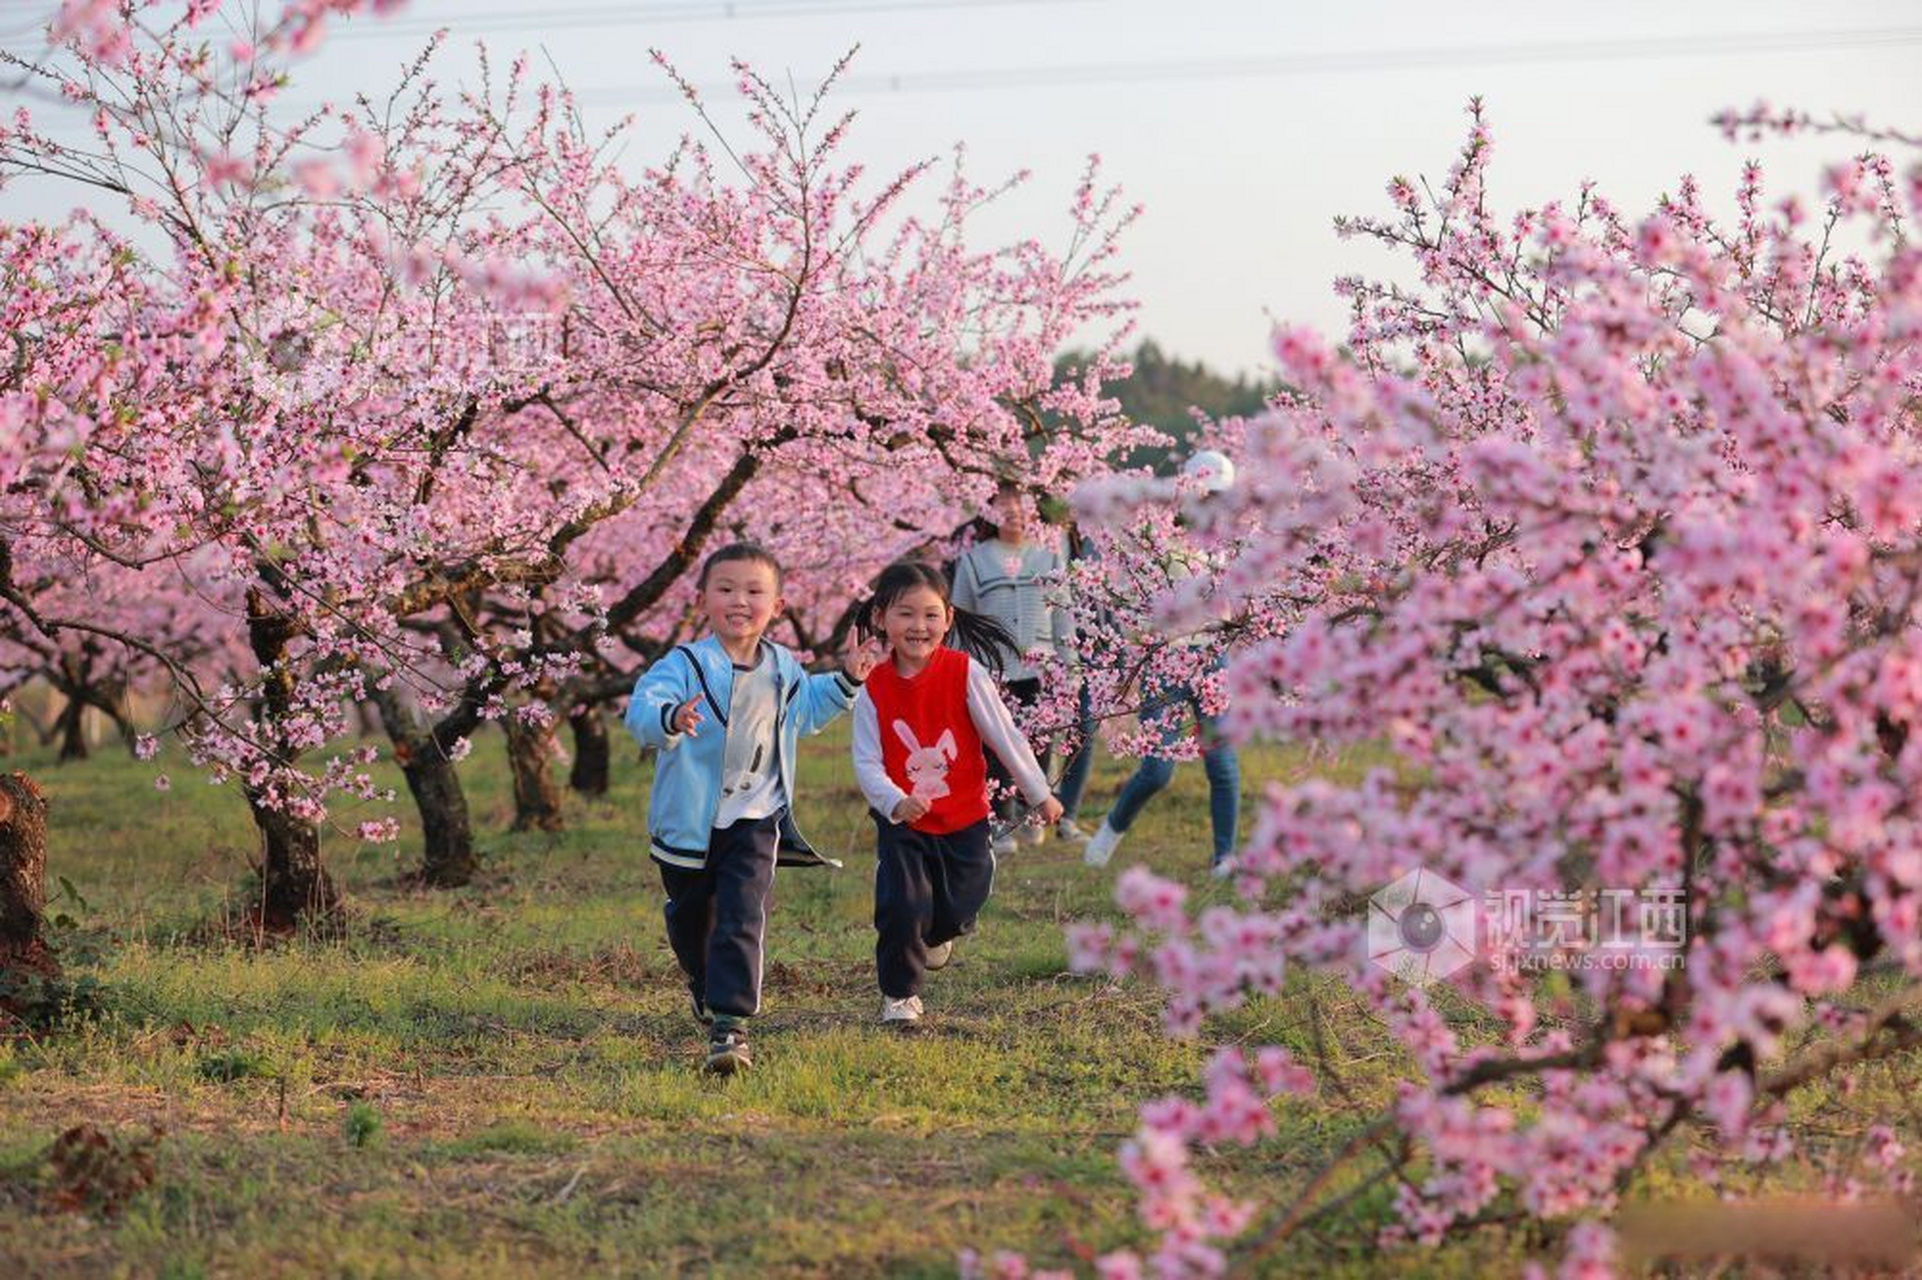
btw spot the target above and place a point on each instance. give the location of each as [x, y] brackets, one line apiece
[750, 773]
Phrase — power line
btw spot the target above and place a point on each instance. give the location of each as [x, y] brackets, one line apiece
[623, 16]
[1335, 63]
[685, 11]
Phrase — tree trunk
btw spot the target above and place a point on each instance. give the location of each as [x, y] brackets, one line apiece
[530, 751]
[118, 708]
[293, 883]
[23, 878]
[73, 730]
[447, 859]
[71, 679]
[589, 775]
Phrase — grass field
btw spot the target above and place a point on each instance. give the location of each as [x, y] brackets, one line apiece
[499, 1081]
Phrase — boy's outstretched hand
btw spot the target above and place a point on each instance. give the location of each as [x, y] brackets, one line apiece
[910, 809]
[688, 718]
[864, 658]
[1050, 811]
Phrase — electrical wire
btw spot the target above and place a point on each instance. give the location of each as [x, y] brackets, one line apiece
[1331, 62]
[1065, 75]
[687, 11]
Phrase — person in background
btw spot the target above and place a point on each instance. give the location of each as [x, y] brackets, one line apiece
[1008, 578]
[1173, 709]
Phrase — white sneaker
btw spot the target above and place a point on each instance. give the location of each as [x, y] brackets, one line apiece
[938, 956]
[1002, 844]
[1223, 869]
[1101, 846]
[1030, 835]
[907, 1009]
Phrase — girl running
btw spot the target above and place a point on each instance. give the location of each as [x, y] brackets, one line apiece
[920, 725]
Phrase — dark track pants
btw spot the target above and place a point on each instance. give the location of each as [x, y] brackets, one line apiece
[717, 916]
[927, 889]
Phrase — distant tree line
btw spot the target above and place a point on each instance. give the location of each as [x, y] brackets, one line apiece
[1164, 392]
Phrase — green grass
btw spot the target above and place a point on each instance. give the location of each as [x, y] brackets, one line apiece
[500, 1080]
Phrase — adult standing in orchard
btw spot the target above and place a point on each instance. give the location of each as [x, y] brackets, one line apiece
[1008, 578]
[1209, 473]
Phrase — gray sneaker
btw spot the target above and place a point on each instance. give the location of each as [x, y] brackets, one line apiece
[727, 1051]
[1069, 829]
[905, 1010]
[1101, 846]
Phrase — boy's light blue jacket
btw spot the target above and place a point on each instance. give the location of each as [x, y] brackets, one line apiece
[687, 775]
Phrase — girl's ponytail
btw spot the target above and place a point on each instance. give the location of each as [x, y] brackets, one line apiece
[982, 638]
[986, 640]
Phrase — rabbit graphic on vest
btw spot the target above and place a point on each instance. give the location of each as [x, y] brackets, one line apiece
[927, 767]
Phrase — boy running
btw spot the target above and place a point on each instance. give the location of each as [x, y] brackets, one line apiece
[720, 816]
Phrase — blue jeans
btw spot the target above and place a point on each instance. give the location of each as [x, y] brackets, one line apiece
[1074, 779]
[1218, 759]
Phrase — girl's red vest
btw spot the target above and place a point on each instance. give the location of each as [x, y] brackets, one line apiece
[928, 740]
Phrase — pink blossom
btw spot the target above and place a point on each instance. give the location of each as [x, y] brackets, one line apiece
[317, 178]
[1572, 556]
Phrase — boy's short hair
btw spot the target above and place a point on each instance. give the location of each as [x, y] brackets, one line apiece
[750, 552]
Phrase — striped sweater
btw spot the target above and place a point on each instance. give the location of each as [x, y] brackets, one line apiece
[1006, 583]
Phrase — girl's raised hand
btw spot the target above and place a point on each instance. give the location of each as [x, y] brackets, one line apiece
[863, 658]
[688, 719]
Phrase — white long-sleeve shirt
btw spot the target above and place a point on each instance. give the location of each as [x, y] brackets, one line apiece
[991, 720]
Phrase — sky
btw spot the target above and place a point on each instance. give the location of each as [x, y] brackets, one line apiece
[1243, 127]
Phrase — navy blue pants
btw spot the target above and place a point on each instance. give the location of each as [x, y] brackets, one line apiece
[717, 916]
[927, 890]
